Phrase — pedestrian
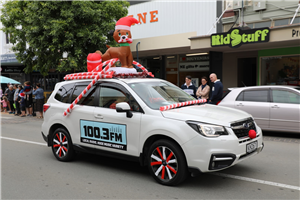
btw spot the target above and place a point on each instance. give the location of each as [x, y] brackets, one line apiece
[1, 93]
[39, 97]
[4, 104]
[217, 89]
[28, 98]
[16, 101]
[204, 89]
[10, 97]
[188, 87]
[6, 94]
[22, 104]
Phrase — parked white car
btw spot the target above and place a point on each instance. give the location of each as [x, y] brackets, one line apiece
[121, 118]
[274, 107]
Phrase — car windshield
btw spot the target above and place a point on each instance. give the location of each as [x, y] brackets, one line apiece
[157, 94]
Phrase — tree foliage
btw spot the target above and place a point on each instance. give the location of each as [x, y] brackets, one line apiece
[42, 30]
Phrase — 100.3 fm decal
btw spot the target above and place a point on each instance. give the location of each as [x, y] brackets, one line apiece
[103, 134]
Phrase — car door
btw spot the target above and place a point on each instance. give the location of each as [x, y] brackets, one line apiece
[285, 110]
[82, 111]
[255, 102]
[113, 131]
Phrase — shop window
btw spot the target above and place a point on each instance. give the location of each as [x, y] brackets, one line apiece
[263, 24]
[281, 22]
[280, 70]
[250, 25]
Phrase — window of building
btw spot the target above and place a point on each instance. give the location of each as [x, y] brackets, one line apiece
[7, 38]
[263, 24]
[250, 25]
[280, 70]
[296, 20]
[281, 22]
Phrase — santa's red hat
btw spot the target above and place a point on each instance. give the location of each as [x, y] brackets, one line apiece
[93, 60]
[22, 94]
[125, 23]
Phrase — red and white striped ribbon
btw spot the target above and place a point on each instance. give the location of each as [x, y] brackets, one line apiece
[98, 73]
[177, 105]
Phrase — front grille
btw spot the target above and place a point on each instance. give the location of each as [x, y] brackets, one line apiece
[241, 128]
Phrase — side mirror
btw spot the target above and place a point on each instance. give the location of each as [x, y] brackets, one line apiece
[124, 107]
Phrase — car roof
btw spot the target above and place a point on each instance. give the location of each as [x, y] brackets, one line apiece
[127, 80]
[265, 86]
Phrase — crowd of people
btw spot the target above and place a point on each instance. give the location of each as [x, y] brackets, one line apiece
[204, 91]
[18, 99]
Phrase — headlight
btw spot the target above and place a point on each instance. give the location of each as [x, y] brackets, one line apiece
[208, 130]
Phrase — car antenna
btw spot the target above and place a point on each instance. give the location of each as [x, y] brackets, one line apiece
[244, 84]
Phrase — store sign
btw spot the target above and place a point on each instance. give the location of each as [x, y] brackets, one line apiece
[194, 66]
[12, 69]
[194, 58]
[295, 33]
[9, 58]
[236, 37]
[142, 17]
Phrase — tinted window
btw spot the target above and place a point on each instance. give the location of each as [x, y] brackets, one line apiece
[283, 96]
[254, 95]
[109, 97]
[64, 92]
[240, 97]
[87, 99]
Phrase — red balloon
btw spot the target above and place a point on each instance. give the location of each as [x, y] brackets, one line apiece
[252, 134]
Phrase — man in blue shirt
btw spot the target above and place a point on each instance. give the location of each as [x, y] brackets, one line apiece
[217, 89]
[188, 87]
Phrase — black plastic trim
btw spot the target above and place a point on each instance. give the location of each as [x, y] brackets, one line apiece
[194, 171]
[225, 163]
[85, 149]
[45, 138]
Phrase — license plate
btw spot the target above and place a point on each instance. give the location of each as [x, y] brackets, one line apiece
[251, 147]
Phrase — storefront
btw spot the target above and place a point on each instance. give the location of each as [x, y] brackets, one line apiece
[11, 68]
[274, 60]
[161, 42]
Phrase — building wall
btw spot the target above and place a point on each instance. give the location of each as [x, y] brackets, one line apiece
[230, 67]
[173, 17]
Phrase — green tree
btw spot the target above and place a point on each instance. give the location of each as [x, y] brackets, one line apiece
[42, 30]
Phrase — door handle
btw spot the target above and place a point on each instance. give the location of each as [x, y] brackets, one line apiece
[240, 104]
[99, 116]
[275, 106]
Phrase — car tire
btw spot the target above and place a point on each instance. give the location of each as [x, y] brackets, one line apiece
[167, 163]
[62, 146]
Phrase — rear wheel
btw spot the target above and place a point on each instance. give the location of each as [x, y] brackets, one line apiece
[62, 147]
[166, 163]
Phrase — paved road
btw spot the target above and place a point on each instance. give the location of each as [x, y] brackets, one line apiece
[30, 171]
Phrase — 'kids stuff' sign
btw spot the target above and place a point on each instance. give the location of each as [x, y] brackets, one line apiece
[236, 37]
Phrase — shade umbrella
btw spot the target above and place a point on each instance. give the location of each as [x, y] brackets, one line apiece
[4, 79]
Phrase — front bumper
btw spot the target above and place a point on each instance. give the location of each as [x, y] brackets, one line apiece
[214, 154]
[45, 138]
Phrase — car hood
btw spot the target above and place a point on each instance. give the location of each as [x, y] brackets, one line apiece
[210, 114]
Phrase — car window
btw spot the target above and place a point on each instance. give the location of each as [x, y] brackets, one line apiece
[283, 96]
[87, 99]
[64, 93]
[253, 95]
[157, 94]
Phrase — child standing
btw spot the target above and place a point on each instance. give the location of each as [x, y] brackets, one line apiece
[22, 104]
[4, 103]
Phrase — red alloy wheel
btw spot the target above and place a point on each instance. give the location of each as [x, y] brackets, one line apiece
[164, 163]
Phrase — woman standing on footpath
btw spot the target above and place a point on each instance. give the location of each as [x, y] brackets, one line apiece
[39, 97]
[203, 90]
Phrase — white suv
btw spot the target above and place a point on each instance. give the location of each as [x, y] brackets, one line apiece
[122, 118]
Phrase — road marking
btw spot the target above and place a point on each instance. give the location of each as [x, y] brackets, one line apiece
[6, 117]
[25, 141]
[214, 173]
[257, 181]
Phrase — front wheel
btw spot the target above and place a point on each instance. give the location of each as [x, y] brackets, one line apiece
[62, 147]
[167, 163]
